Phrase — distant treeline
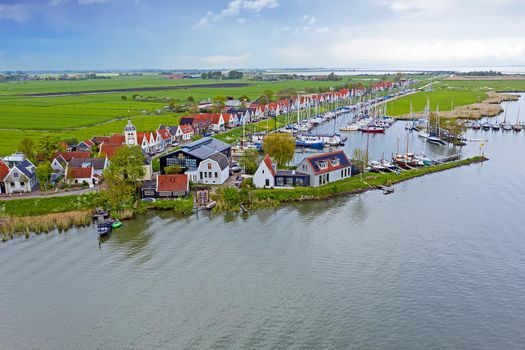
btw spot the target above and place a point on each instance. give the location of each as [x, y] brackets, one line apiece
[34, 77]
[233, 74]
[480, 73]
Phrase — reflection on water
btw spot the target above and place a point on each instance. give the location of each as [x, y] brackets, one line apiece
[438, 264]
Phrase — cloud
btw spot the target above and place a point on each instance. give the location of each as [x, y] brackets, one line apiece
[15, 12]
[234, 8]
[310, 20]
[79, 2]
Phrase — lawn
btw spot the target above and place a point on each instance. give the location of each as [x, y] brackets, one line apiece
[440, 97]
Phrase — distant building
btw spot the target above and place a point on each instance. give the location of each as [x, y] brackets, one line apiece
[167, 186]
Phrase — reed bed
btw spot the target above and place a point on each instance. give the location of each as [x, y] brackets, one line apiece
[11, 227]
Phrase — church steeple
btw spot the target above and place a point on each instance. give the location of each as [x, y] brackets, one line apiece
[130, 134]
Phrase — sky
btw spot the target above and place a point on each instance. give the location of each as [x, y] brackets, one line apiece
[215, 34]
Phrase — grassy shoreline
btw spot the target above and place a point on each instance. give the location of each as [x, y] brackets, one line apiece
[26, 216]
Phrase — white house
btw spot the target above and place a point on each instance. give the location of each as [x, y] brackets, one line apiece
[79, 175]
[217, 122]
[21, 178]
[264, 177]
[59, 164]
[325, 168]
[184, 132]
[214, 170]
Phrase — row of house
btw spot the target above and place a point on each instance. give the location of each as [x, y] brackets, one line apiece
[313, 171]
[78, 168]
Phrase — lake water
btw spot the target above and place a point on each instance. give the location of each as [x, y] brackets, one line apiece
[439, 264]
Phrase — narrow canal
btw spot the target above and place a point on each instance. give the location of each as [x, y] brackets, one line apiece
[438, 264]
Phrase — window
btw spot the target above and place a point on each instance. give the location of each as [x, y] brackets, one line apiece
[262, 171]
[267, 182]
[216, 175]
[12, 184]
[15, 174]
[328, 177]
[209, 174]
[209, 166]
[205, 174]
[342, 172]
[200, 173]
[322, 165]
[335, 162]
[22, 183]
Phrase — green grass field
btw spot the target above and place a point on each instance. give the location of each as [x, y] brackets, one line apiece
[498, 85]
[439, 97]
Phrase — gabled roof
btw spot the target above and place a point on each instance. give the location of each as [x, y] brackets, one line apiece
[71, 155]
[164, 134]
[172, 182]
[100, 139]
[205, 147]
[340, 155]
[61, 160]
[23, 167]
[186, 129]
[269, 164]
[88, 143]
[97, 163]
[79, 173]
[117, 138]
[4, 170]
[221, 159]
[109, 149]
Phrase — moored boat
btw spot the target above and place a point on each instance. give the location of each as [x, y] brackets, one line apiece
[309, 141]
[373, 130]
[116, 224]
[104, 229]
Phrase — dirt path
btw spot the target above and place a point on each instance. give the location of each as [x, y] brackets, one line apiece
[40, 194]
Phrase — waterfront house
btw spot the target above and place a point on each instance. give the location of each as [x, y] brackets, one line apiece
[167, 186]
[4, 171]
[264, 177]
[21, 178]
[325, 168]
[192, 154]
[268, 176]
[214, 170]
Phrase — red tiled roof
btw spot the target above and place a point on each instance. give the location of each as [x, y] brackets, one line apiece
[109, 149]
[117, 138]
[4, 170]
[186, 128]
[172, 182]
[79, 173]
[269, 164]
[89, 143]
[70, 155]
[164, 134]
[100, 139]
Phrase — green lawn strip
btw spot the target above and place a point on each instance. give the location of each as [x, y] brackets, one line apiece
[47, 205]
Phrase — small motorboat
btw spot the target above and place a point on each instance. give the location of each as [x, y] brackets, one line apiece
[210, 205]
[476, 126]
[104, 229]
[436, 140]
[495, 126]
[486, 126]
[116, 224]
[373, 130]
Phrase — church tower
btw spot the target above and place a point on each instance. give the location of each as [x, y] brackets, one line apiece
[130, 134]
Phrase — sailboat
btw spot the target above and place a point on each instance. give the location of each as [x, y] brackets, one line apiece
[517, 127]
[506, 125]
[434, 137]
[424, 133]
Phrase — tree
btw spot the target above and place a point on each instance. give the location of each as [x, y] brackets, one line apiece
[269, 95]
[48, 146]
[218, 102]
[124, 97]
[279, 146]
[359, 159]
[43, 174]
[244, 98]
[398, 77]
[173, 169]
[123, 176]
[249, 161]
[27, 147]
[191, 99]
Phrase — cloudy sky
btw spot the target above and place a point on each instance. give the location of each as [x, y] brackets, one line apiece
[131, 34]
